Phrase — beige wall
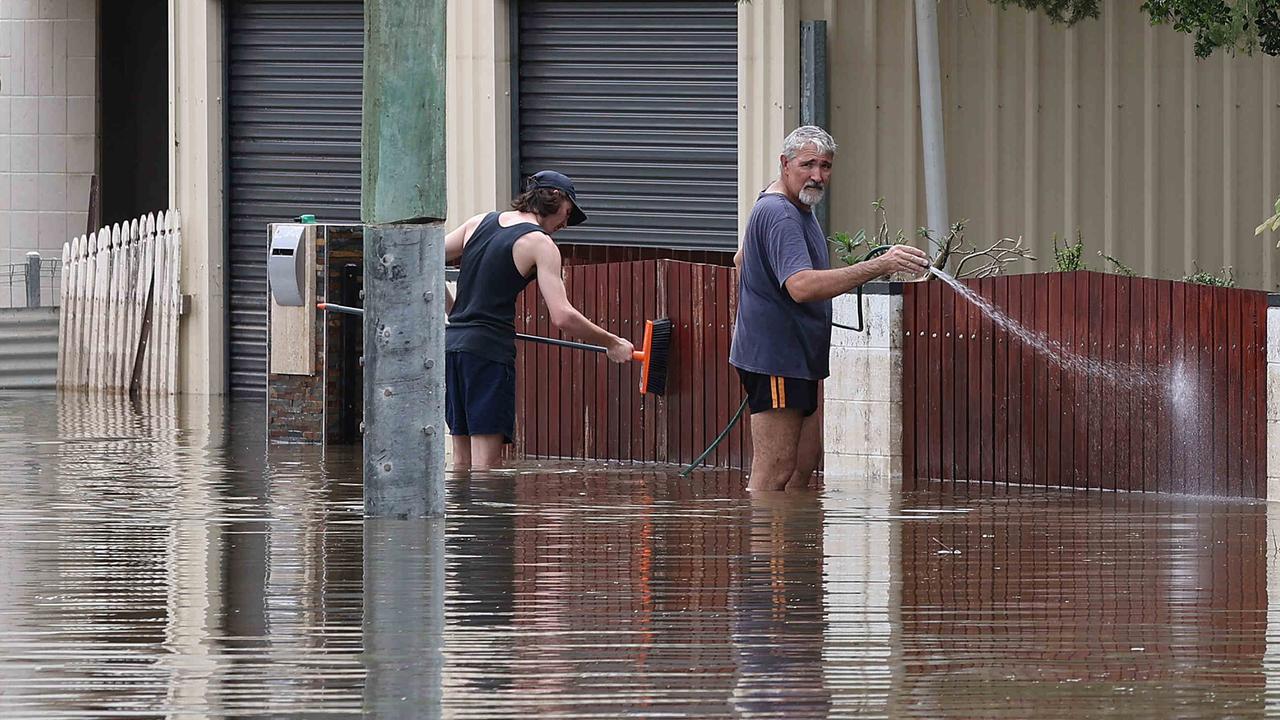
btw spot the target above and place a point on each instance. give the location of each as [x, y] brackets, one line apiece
[478, 108]
[768, 92]
[48, 122]
[1112, 127]
[195, 187]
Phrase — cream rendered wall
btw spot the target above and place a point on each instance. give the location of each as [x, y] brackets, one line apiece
[478, 108]
[195, 187]
[1112, 127]
[768, 92]
[48, 128]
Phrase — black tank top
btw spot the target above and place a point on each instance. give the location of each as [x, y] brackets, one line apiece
[484, 311]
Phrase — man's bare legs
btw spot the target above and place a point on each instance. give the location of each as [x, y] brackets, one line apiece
[461, 452]
[808, 454]
[775, 437]
[786, 447]
[486, 452]
[477, 452]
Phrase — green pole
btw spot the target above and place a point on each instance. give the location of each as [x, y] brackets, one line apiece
[403, 159]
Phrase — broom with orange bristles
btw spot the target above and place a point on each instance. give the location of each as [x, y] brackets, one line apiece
[654, 355]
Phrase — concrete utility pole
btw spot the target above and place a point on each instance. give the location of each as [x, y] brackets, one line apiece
[403, 207]
[403, 620]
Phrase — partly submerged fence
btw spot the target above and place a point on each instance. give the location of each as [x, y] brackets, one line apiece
[575, 404]
[120, 307]
[1113, 383]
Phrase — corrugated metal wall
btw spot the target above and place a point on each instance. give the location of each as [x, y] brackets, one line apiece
[29, 347]
[637, 101]
[1112, 127]
[295, 72]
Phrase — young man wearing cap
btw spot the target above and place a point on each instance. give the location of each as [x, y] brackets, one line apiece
[782, 336]
[499, 253]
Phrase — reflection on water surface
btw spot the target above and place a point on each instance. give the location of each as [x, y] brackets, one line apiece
[159, 562]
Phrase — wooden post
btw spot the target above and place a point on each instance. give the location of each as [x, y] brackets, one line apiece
[114, 283]
[173, 298]
[93, 217]
[64, 308]
[403, 202]
[69, 348]
[90, 316]
[155, 343]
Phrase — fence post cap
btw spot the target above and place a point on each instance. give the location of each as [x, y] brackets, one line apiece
[33, 254]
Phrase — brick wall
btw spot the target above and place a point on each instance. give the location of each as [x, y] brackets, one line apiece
[48, 81]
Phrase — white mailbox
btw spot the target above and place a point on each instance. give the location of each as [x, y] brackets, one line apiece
[287, 264]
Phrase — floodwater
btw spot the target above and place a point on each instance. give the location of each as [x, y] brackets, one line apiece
[160, 561]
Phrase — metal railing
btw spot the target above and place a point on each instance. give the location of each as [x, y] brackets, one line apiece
[32, 283]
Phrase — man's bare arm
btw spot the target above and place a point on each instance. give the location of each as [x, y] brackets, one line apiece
[816, 285]
[563, 314]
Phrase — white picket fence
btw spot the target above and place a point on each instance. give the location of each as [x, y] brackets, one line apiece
[118, 328]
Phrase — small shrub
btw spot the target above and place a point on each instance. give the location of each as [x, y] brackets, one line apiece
[1224, 278]
[1068, 258]
[852, 248]
[1120, 267]
[965, 259]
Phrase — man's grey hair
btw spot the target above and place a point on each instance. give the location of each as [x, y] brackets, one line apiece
[806, 135]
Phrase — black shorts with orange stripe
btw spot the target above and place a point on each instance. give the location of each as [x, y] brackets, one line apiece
[773, 392]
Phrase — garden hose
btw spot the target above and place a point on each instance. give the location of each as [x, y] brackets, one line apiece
[741, 408]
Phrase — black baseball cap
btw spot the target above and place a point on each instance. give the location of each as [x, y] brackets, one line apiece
[559, 181]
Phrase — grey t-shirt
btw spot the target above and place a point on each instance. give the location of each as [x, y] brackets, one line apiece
[775, 335]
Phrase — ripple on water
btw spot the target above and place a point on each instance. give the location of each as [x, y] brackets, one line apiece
[159, 561]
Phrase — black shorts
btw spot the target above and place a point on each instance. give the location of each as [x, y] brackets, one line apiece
[479, 395]
[773, 392]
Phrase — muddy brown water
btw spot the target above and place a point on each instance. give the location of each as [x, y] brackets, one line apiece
[156, 560]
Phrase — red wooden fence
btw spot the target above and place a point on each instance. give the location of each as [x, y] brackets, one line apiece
[1148, 385]
[576, 404]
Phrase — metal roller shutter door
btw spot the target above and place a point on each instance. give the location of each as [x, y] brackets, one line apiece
[294, 75]
[637, 102]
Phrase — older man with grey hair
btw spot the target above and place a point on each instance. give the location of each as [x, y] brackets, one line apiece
[782, 336]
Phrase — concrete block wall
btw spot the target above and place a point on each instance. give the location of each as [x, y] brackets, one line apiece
[48, 127]
[862, 423]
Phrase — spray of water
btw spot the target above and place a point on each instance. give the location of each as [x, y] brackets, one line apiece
[1173, 384]
[1124, 375]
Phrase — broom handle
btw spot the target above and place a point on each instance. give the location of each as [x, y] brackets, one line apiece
[532, 338]
[636, 355]
[560, 343]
